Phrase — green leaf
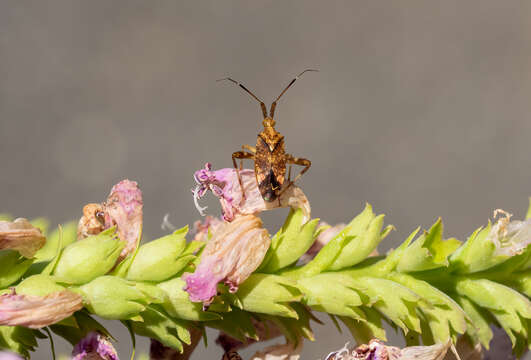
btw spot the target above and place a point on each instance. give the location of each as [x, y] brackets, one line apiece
[478, 327]
[395, 301]
[111, 297]
[19, 339]
[290, 242]
[236, 323]
[178, 304]
[333, 293]
[367, 328]
[528, 215]
[510, 308]
[49, 250]
[158, 325]
[269, 294]
[445, 317]
[13, 267]
[428, 252]
[362, 235]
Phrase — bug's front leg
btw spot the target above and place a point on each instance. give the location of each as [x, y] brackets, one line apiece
[296, 161]
[240, 155]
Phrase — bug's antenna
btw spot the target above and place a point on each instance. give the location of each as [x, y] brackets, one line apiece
[262, 105]
[274, 104]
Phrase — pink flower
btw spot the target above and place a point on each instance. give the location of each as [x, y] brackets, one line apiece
[21, 236]
[123, 208]
[38, 311]
[235, 250]
[94, 346]
[224, 184]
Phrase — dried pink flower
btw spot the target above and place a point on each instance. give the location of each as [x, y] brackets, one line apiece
[38, 311]
[377, 350]
[287, 351]
[510, 237]
[94, 346]
[224, 184]
[235, 250]
[21, 236]
[123, 208]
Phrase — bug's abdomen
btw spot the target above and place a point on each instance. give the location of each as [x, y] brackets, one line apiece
[270, 168]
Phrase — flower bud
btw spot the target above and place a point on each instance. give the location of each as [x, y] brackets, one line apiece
[86, 259]
[178, 304]
[160, 259]
[94, 346]
[38, 311]
[234, 252]
[21, 236]
[38, 285]
[112, 297]
[269, 294]
[225, 185]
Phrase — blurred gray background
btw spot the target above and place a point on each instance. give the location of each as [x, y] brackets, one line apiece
[420, 108]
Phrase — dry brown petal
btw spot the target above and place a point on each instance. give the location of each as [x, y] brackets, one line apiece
[38, 311]
[21, 236]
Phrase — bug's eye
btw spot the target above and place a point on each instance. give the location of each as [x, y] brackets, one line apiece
[100, 216]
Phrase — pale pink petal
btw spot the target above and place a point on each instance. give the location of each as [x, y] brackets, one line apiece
[235, 250]
[123, 208]
[224, 184]
[38, 311]
[21, 236]
[94, 346]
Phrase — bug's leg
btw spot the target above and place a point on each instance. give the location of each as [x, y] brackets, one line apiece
[249, 148]
[289, 173]
[240, 155]
[296, 161]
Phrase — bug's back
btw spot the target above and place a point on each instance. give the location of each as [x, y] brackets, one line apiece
[270, 163]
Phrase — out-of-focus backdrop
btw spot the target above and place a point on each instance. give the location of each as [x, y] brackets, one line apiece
[421, 108]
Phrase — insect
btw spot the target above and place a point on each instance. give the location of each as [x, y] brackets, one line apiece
[269, 155]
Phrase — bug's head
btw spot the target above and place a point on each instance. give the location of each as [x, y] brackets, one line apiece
[268, 122]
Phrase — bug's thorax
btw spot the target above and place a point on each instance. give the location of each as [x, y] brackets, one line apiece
[269, 135]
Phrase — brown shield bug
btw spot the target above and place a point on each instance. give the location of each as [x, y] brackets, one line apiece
[270, 158]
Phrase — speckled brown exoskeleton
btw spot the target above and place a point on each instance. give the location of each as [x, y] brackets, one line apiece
[269, 155]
